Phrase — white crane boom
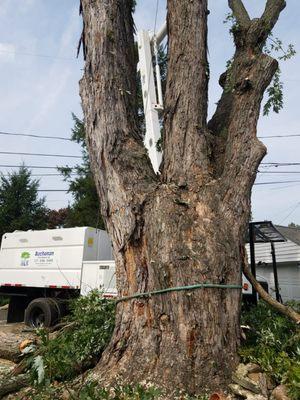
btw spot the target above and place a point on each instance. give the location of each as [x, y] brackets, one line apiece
[152, 98]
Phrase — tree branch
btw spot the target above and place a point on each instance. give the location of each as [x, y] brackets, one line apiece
[285, 310]
[271, 13]
[121, 166]
[185, 149]
[240, 13]
[238, 152]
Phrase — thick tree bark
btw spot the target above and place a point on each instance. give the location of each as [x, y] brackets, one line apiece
[186, 147]
[187, 225]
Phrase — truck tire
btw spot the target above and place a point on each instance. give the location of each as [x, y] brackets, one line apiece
[42, 312]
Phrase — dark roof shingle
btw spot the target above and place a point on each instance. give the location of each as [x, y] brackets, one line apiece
[290, 233]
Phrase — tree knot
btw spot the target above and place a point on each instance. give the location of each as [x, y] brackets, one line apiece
[243, 86]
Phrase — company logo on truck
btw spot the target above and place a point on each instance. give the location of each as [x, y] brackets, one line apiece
[25, 258]
[43, 257]
[44, 253]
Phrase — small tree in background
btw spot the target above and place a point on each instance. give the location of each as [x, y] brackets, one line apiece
[85, 209]
[293, 225]
[57, 218]
[20, 206]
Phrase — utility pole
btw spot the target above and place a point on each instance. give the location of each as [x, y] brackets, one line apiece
[252, 257]
[277, 291]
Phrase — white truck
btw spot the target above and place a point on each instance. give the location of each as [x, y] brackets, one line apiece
[41, 270]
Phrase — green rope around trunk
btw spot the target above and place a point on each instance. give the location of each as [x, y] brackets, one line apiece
[178, 289]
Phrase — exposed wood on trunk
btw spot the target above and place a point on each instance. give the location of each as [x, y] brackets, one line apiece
[285, 310]
[186, 226]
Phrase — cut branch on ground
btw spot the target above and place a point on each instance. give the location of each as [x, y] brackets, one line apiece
[283, 309]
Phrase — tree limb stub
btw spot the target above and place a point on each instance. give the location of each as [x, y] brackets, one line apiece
[285, 310]
[244, 83]
[260, 28]
[185, 149]
[10, 344]
[240, 13]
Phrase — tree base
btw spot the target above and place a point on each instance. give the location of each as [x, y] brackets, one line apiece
[176, 365]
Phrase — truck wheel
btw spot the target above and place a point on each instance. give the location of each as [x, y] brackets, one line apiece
[41, 312]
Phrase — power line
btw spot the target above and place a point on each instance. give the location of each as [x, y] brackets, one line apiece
[68, 139]
[53, 190]
[284, 210]
[275, 183]
[36, 166]
[40, 154]
[277, 136]
[262, 183]
[278, 172]
[42, 175]
[35, 136]
[293, 210]
[280, 164]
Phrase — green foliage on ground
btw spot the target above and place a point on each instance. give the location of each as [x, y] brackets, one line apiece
[92, 391]
[274, 343]
[20, 205]
[79, 345]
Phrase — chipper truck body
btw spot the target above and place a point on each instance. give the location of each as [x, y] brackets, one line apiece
[41, 270]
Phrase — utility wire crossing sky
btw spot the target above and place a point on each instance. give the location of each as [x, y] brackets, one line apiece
[39, 73]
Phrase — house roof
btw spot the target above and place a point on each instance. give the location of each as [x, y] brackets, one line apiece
[286, 252]
[290, 233]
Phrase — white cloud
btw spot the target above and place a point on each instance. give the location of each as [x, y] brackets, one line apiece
[7, 52]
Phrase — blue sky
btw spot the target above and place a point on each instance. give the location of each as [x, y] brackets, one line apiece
[39, 76]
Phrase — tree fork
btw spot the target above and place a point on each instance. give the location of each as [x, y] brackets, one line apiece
[186, 226]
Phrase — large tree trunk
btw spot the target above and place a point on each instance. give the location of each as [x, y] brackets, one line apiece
[187, 225]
